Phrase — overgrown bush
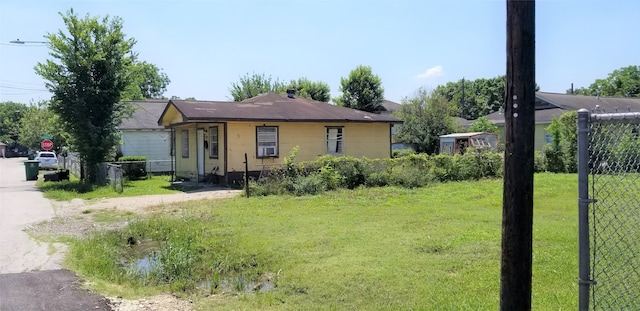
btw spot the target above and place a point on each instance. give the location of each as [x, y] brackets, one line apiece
[444, 168]
[478, 164]
[409, 177]
[409, 171]
[350, 168]
[398, 153]
[133, 167]
[309, 185]
[539, 162]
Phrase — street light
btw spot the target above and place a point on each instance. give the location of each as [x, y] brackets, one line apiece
[18, 41]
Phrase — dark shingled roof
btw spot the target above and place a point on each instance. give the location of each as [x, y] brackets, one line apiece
[390, 106]
[274, 107]
[549, 105]
[145, 116]
[594, 104]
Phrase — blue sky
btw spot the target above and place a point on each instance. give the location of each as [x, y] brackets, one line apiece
[204, 46]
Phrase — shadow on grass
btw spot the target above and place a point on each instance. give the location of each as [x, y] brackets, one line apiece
[68, 186]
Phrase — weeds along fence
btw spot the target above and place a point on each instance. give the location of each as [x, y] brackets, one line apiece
[609, 211]
[72, 163]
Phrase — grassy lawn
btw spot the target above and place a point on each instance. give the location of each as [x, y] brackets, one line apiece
[433, 248]
[74, 188]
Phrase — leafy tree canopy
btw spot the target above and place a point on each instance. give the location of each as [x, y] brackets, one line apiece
[477, 97]
[426, 117]
[39, 120]
[306, 88]
[623, 82]
[251, 85]
[87, 74]
[482, 124]
[255, 84]
[148, 81]
[362, 90]
[10, 115]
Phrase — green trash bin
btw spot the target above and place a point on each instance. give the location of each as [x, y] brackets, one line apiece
[31, 168]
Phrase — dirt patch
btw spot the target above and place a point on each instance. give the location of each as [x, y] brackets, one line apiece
[164, 302]
[75, 218]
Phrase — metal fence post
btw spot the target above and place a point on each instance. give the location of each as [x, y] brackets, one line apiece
[584, 274]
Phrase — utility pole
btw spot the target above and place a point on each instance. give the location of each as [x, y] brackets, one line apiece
[462, 103]
[517, 204]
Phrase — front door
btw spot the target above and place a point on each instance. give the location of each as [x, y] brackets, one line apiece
[200, 151]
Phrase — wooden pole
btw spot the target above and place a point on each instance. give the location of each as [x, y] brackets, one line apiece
[246, 174]
[517, 205]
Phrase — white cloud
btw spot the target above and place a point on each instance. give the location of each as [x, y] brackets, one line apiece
[431, 72]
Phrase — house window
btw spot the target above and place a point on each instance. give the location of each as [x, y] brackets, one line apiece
[267, 141]
[335, 143]
[548, 138]
[185, 143]
[213, 142]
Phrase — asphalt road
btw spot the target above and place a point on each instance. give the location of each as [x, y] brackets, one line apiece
[31, 274]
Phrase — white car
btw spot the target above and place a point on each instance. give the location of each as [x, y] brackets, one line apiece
[47, 159]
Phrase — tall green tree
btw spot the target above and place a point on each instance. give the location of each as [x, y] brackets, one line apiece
[475, 98]
[316, 90]
[10, 115]
[148, 81]
[483, 124]
[561, 153]
[251, 85]
[426, 117]
[87, 74]
[39, 120]
[362, 90]
[623, 82]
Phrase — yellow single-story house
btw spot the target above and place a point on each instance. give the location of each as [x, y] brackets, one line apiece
[211, 138]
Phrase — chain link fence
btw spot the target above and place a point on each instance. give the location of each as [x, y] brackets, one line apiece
[609, 188]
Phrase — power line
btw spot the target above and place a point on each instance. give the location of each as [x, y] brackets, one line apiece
[17, 82]
[22, 88]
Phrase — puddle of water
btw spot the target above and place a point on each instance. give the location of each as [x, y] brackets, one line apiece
[146, 264]
[142, 257]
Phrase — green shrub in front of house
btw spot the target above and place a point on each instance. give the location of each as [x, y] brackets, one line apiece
[409, 171]
[133, 167]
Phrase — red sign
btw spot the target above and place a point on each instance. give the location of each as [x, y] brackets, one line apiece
[46, 144]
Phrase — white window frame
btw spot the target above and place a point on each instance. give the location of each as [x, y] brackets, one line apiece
[213, 142]
[185, 143]
[334, 140]
[267, 141]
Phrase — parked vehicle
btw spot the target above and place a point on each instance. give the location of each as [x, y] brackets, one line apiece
[47, 159]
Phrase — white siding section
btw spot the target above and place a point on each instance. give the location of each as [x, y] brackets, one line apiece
[155, 145]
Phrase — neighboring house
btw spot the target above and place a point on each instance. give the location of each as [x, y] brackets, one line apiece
[213, 137]
[459, 142]
[550, 105]
[142, 136]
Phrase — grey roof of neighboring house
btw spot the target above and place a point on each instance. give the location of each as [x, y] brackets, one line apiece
[594, 104]
[274, 107]
[541, 116]
[549, 105]
[145, 116]
[390, 106]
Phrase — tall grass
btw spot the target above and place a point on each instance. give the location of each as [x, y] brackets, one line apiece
[431, 248]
